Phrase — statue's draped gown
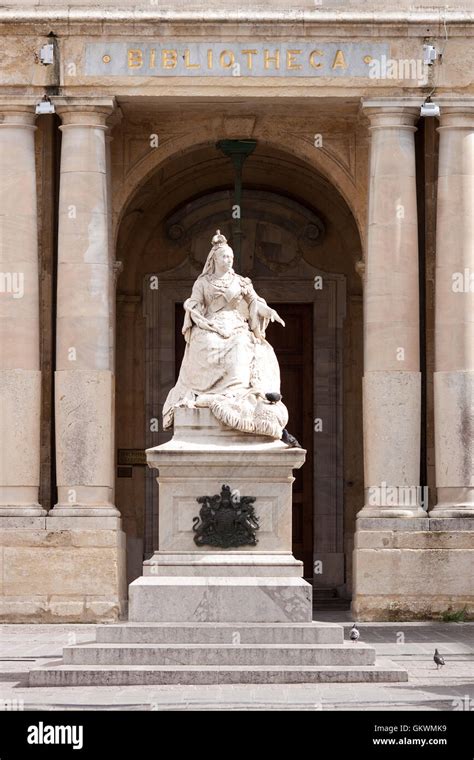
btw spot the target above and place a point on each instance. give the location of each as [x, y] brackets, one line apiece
[228, 365]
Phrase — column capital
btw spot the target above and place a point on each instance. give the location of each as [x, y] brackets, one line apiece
[18, 102]
[392, 113]
[456, 113]
[17, 111]
[457, 102]
[92, 112]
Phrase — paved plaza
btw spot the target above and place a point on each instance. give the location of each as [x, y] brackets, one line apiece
[23, 647]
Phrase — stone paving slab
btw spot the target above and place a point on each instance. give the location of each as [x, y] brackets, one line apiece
[23, 647]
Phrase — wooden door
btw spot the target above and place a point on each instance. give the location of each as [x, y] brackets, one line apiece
[293, 346]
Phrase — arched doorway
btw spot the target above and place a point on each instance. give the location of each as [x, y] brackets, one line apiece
[300, 244]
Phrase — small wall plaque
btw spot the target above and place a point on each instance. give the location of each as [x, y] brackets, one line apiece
[134, 457]
[125, 472]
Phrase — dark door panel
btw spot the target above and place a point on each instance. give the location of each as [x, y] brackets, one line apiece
[293, 346]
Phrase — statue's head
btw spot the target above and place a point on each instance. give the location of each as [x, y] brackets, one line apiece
[221, 255]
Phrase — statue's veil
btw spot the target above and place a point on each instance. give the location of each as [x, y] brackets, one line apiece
[219, 242]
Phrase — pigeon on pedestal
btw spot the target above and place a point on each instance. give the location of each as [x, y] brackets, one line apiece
[286, 437]
[290, 440]
[273, 397]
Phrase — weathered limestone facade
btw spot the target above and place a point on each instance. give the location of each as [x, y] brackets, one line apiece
[357, 217]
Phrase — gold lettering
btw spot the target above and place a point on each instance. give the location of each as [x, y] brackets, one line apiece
[290, 59]
[249, 54]
[209, 59]
[222, 59]
[339, 61]
[267, 58]
[187, 62]
[311, 59]
[135, 59]
[169, 59]
[152, 59]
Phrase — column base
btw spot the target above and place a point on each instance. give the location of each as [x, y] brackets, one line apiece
[404, 512]
[454, 502]
[456, 510]
[84, 518]
[16, 501]
[63, 510]
[20, 510]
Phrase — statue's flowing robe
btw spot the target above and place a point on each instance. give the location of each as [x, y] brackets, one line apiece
[228, 365]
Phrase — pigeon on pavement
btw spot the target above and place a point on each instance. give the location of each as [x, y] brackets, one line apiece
[438, 659]
[354, 634]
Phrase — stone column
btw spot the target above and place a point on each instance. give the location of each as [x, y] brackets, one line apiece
[454, 313]
[85, 329]
[392, 382]
[20, 376]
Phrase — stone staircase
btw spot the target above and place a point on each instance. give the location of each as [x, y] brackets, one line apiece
[216, 653]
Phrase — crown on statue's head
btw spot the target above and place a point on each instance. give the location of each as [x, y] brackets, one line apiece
[219, 239]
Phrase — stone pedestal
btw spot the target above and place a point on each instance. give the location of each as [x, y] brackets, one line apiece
[185, 582]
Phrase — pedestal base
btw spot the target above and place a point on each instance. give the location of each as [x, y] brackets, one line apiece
[226, 575]
[249, 564]
[219, 599]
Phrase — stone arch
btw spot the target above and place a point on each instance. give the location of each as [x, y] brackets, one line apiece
[188, 173]
[320, 161]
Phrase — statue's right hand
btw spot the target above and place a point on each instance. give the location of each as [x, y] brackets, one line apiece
[275, 317]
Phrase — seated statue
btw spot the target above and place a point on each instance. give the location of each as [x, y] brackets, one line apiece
[228, 365]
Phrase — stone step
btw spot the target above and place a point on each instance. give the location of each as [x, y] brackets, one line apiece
[126, 675]
[324, 593]
[220, 633]
[246, 655]
[330, 605]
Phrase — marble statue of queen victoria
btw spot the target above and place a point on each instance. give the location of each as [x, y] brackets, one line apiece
[228, 365]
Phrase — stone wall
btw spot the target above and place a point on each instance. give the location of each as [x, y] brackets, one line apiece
[53, 575]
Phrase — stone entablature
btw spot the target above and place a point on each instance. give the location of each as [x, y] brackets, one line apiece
[283, 46]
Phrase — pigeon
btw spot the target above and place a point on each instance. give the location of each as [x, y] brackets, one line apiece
[438, 659]
[273, 397]
[354, 634]
[290, 440]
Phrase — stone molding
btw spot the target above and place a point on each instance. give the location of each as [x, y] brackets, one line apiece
[71, 15]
